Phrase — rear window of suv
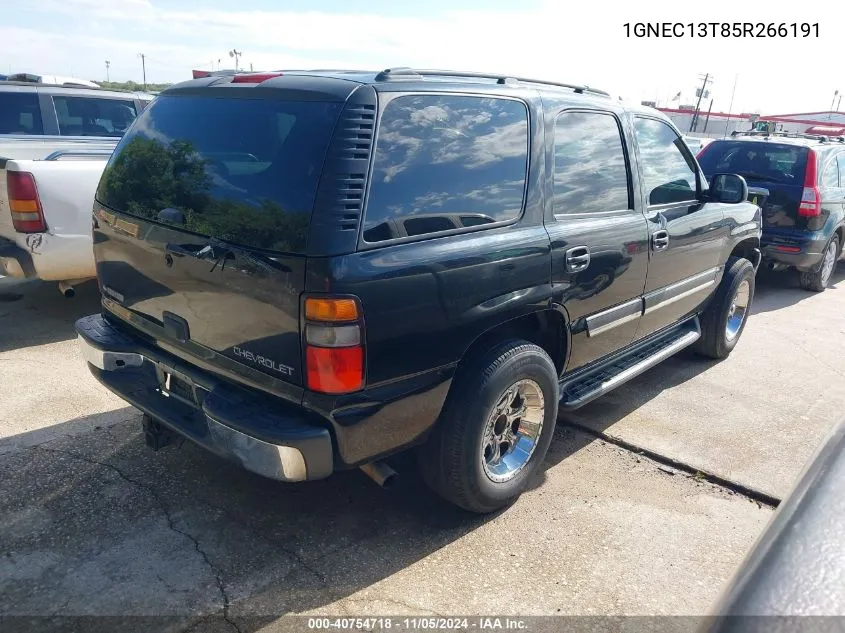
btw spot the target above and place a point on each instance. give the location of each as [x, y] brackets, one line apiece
[446, 162]
[241, 170]
[756, 161]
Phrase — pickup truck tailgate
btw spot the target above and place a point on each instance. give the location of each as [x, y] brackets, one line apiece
[66, 192]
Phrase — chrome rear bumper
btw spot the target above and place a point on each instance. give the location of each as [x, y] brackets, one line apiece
[273, 439]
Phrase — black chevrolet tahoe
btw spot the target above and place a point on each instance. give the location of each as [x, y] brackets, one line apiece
[310, 271]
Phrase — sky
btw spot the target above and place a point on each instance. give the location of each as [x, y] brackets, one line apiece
[577, 42]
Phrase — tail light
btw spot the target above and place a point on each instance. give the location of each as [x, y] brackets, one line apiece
[703, 150]
[334, 352]
[24, 204]
[811, 199]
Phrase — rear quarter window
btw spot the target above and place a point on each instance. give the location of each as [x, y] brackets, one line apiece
[88, 116]
[446, 162]
[20, 113]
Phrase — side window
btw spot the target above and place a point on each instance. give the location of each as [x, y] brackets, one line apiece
[668, 170]
[591, 173]
[20, 113]
[830, 175]
[444, 162]
[88, 116]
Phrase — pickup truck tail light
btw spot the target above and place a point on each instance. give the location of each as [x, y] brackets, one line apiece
[811, 199]
[24, 204]
[334, 352]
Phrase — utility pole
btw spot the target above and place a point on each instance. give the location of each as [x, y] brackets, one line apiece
[731, 107]
[701, 94]
[707, 120]
[236, 54]
[108, 63]
[143, 68]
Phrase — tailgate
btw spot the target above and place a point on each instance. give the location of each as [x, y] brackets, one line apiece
[780, 208]
[206, 205]
[65, 189]
[228, 300]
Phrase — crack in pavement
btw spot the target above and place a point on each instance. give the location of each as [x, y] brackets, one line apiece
[218, 573]
[255, 530]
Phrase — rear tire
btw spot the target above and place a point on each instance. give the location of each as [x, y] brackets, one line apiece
[817, 280]
[724, 320]
[495, 428]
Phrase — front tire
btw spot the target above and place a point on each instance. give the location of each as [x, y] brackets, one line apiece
[495, 428]
[725, 318]
[817, 280]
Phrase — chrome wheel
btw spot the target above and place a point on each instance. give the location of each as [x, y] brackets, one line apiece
[512, 431]
[829, 261]
[738, 311]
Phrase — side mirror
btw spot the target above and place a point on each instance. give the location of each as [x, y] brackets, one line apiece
[727, 188]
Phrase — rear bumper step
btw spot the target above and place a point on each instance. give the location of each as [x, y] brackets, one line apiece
[268, 437]
[586, 386]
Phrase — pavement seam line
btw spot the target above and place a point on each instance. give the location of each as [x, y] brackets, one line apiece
[712, 478]
[218, 574]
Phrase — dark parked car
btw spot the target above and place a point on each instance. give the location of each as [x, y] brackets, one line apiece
[804, 214]
[310, 271]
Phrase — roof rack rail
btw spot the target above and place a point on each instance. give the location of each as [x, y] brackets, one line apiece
[403, 72]
[813, 137]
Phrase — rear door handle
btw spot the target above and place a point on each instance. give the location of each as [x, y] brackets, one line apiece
[660, 240]
[577, 259]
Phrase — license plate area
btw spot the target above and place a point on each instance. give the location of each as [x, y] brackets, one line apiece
[172, 384]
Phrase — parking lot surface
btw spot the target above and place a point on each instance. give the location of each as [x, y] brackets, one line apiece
[756, 417]
[94, 523]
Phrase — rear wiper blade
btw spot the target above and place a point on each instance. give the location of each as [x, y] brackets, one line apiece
[755, 176]
[231, 251]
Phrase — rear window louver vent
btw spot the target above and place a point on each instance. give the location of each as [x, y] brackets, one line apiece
[357, 131]
[351, 199]
[343, 184]
[353, 143]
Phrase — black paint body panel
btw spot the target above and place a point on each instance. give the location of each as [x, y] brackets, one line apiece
[425, 300]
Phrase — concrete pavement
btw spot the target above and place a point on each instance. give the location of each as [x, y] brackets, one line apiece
[756, 417]
[92, 522]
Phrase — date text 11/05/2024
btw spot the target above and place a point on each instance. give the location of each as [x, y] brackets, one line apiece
[721, 29]
[419, 624]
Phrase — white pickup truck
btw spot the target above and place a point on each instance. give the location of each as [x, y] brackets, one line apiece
[54, 145]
